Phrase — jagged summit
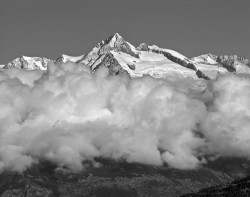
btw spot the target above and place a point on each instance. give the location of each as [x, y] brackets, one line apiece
[29, 63]
[120, 56]
[208, 58]
[233, 59]
[113, 40]
[143, 47]
[230, 63]
[117, 43]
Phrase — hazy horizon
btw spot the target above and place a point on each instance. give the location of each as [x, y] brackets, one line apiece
[51, 28]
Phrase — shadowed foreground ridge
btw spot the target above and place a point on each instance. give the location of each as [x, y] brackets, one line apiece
[240, 188]
[118, 178]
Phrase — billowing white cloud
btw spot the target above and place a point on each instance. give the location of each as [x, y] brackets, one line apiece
[227, 123]
[67, 115]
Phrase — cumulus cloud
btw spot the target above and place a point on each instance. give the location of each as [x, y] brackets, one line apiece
[227, 123]
[67, 115]
[27, 77]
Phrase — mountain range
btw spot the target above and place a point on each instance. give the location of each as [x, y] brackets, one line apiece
[122, 57]
[121, 178]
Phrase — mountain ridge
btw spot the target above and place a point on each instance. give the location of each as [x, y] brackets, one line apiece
[120, 56]
[122, 176]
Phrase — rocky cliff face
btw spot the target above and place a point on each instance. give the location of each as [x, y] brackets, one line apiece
[110, 62]
[230, 62]
[112, 43]
[232, 59]
[117, 43]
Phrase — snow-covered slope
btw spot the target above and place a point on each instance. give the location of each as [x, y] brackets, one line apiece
[153, 64]
[29, 63]
[66, 58]
[206, 58]
[122, 57]
[213, 65]
[234, 63]
[211, 70]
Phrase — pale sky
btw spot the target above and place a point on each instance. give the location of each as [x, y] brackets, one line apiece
[48, 28]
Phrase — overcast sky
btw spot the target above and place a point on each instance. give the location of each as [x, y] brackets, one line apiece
[192, 27]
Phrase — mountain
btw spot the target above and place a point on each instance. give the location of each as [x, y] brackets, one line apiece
[118, 177]
[213, 65]
[29, 63]
[234, 63]
[208, 58]
[122, 57]
[66, 58]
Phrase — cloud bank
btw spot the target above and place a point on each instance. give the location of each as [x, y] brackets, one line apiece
[68, 115]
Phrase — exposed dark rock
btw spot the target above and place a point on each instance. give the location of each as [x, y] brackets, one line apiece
[232, 59]
[59, 60]
[185, 63]
[117, 43]
[201, 75]
[229, 66]
[177, 60]
[191, 66]
[131, 66]
[229, 61]
[110, 62]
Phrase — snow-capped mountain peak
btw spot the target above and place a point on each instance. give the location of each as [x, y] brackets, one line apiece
[117, 43]
[29, 63]
[113, 40]
[122, 57]
[208, 58]
[213, 65]
[119, 56]
[66, 58]
[112, 43]
[233, 59]
[226, 60]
